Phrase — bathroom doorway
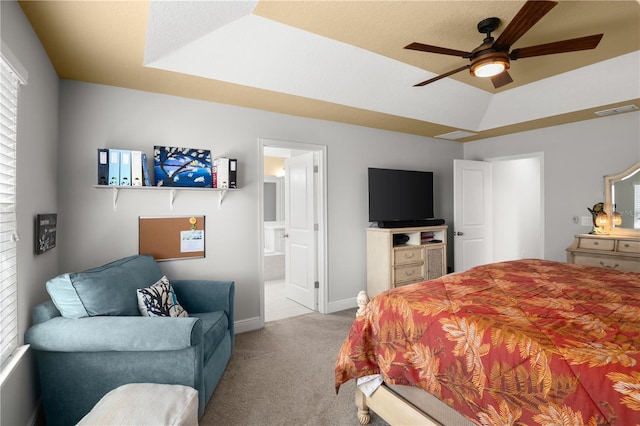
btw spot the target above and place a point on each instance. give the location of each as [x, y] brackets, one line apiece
[293, 229]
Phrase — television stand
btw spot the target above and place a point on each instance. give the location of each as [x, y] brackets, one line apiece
[421, 256]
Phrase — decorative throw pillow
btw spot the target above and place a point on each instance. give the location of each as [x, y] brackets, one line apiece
[160, 300]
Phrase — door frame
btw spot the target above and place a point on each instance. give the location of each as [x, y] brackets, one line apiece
[531, 155]
[539, 155]
[321, 214]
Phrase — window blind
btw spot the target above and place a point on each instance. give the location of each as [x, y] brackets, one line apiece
[8, 225]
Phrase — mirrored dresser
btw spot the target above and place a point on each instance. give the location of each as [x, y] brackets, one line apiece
[617, 243]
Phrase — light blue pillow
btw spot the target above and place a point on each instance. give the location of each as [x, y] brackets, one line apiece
[106, 290]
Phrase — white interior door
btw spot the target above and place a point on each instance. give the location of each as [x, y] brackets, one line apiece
[472, 228]
[299, 222]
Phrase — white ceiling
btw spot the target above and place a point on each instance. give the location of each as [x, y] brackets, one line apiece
[304, 51]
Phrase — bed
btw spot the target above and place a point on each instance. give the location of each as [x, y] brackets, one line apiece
[529, 342]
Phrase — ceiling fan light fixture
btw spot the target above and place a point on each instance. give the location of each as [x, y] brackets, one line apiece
[489, 69]
[490, 64]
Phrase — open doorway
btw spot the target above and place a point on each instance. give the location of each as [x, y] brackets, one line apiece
[518, 207]
[293, 224]
[498, 210]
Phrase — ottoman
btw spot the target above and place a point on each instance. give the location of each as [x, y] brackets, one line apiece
[146, 404]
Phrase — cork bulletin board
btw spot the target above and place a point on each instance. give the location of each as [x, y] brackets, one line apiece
[172, 238]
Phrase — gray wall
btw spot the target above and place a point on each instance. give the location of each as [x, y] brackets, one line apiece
[37, 193]
[576, 158]
[90, 232]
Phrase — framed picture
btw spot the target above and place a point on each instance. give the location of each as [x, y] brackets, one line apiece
[182, 167]
[45, 232]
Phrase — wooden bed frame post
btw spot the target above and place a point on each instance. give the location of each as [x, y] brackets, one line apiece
[364, 417]
[361, 400]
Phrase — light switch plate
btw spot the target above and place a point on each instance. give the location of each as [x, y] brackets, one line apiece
[586, 221]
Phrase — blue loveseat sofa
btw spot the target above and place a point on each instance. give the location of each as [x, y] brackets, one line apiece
[90, 338]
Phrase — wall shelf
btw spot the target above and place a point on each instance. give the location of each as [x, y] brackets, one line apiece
[172, 192]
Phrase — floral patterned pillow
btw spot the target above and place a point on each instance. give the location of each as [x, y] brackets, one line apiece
[160, 300]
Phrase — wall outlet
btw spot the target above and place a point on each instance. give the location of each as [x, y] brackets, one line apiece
[586, 221]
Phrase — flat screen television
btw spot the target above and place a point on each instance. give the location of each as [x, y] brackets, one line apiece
[400, 198]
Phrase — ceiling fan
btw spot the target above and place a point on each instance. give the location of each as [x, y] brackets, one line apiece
[493, 57]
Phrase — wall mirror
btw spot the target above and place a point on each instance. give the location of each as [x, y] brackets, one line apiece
[622, 194]
[273, 199]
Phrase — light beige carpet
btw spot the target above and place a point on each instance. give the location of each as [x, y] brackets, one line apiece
[284, 375]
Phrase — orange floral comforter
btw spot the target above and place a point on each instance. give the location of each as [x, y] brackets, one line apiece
[528, 342]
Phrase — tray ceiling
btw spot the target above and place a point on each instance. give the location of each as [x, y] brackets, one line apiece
[344, 60]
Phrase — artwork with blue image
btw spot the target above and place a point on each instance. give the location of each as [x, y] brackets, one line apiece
[186, 167]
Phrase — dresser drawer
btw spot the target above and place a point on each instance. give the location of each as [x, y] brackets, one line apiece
[596, 244]
[621, 264]
[407, 255]
[408, 274]
[627, 246]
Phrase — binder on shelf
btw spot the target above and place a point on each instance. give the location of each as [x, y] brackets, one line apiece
[114, 167]
[136, 168]
[103, 166]
[233, 173]
[222, 172]
[145, 170]
[125, 167]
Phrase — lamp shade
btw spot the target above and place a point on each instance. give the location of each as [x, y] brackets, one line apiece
[601, 219]
[616, 219]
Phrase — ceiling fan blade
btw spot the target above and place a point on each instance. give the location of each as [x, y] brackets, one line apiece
[435, 49]
[527, 17]
[573, 45]
[501, 79]
[447, 74]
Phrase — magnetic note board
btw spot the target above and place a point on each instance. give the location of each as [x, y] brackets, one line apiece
[164, 237]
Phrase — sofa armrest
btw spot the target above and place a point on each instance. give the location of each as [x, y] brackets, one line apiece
[44, 312]
[204, 295]
[105, 333]
[207, 296]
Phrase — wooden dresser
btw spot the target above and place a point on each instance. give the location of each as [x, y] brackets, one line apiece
[606, 251]
[423, 256]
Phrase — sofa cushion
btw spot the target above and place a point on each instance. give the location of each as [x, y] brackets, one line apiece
[106, 290]
[215, 325]
[160, 300]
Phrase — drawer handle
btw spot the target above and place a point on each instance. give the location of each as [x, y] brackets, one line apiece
[595, 243]
[409, 255]
[626, 245]
[408, 273]
[607, 266]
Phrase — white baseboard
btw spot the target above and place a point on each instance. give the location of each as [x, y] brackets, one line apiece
[249, 324]
[341, 305]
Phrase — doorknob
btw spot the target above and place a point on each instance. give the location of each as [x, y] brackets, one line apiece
[458, 233]
[285, 235]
